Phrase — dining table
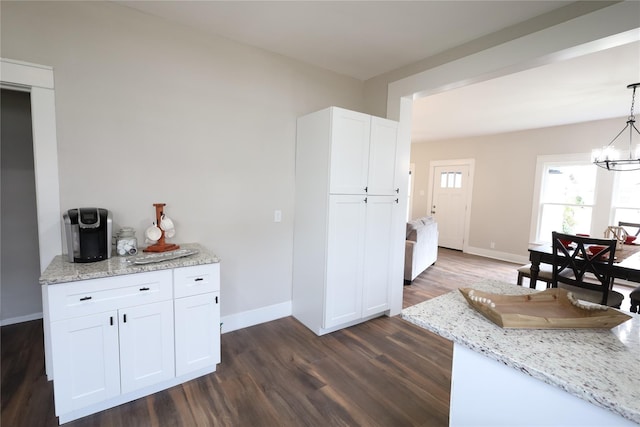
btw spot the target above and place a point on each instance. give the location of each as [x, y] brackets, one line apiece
[626, 263]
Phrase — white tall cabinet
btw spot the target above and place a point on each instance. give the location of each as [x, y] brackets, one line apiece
[347, 224]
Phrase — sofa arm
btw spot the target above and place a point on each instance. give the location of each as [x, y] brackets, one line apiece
[409, 260]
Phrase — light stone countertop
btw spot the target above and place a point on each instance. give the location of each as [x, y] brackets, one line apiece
[601, 366]
[60, 270]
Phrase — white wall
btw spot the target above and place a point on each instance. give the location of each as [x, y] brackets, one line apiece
[376, 93]
[505, 166]
[150, 112]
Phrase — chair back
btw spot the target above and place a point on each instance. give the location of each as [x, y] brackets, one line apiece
[629, 225]
[573, 259]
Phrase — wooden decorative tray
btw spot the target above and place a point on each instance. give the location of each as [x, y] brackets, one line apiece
[550, 309]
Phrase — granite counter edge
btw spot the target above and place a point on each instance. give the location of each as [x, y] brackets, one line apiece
[586, 395]
[61, 271]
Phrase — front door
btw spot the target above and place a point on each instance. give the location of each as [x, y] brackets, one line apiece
[449, 203]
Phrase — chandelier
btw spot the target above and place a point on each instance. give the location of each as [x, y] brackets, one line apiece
[628, 158]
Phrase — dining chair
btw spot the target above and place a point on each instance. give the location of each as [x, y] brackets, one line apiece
[629, 225]
[544, 275]
[634, 296]
[582, 265]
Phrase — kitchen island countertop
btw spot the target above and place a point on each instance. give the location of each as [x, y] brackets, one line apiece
[596, 365]
[60, 270]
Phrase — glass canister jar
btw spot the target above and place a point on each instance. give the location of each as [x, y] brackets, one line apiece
[126, 242]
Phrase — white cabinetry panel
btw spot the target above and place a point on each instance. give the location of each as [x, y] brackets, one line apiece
[382, 212]
[84, 297]
[383, 157]
[86, 359]
[363, 154]
[196, 280]
[116, 339]
[344, 237]
[197, 332]
[146, 345]
[345, 258]
[349, 151]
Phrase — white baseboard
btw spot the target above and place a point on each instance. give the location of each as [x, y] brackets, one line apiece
[20, 319]
[502, 256]
[255, 317]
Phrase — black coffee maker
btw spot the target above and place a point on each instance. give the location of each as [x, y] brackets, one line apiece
[88, 232]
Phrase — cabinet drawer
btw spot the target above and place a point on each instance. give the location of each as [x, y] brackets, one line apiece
[196, 280]
[73, 299]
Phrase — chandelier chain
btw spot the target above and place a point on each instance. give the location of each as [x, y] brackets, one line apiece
[633, 101]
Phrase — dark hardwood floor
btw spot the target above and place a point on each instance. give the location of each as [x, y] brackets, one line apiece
[385, 372]
[454, 270]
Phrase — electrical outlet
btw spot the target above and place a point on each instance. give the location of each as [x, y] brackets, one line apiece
[493, 245]
[277, 216]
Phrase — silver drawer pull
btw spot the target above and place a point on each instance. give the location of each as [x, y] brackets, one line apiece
[85, 298]
[144, 289]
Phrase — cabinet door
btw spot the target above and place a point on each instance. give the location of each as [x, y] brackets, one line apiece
[344, 260]
[197, 332]
[146, 345]
[383, 157]
[85, 360]
[350, 133]
[378, 253]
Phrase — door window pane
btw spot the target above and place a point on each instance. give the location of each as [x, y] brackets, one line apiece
[451, 180]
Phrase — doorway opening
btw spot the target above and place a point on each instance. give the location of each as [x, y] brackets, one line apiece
[36, 82]
[18, 211]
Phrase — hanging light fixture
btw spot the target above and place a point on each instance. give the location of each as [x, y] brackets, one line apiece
[627, 159]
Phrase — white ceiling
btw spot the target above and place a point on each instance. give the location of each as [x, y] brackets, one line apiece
[363, 39]
[590, 87]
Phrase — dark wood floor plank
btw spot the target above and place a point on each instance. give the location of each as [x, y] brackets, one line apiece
[385, 372]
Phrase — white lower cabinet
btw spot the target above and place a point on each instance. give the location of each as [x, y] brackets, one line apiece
[116, 339]
[101, 356]
[197, 317]
[359, 257]
[382, 213]
[86, 358]
[146, 345]
[197, 332]
[345, 260]
[354, 283]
